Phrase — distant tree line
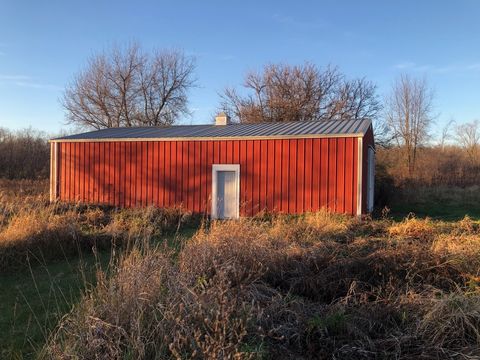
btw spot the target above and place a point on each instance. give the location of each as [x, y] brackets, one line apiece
[436, 166]
[24, 154]
[406, 148]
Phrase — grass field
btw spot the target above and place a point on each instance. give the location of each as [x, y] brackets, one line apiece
[33, 300]
[47, 262]
[318, 285]
[270, 287]
[450, 204]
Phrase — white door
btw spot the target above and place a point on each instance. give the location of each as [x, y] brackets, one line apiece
[226, 198]
[371, 179]
[225, 191]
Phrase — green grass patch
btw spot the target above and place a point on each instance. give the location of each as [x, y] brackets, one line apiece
[441, 203]
[33, 300]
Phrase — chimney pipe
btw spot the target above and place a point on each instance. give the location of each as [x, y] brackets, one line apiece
[222, 119]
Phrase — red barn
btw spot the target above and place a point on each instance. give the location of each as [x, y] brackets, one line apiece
[225, 170]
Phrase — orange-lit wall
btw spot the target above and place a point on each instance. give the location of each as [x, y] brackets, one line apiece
[289, 176]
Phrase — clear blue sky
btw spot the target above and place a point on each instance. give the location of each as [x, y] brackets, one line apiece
[44, 43]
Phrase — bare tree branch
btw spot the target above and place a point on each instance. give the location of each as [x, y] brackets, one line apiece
[129, 87]
[296, 93]
[468, 136]
[409, 115]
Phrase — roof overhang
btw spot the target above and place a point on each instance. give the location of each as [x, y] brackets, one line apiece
[216, 138]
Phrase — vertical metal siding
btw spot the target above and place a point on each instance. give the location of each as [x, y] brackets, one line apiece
[340, 175]
[354, 178]
[308, 175]
[332, 174]
[324, 173]
[257, 155]
[300, 201]
[285, 166]
[270, 186]
[290, 176]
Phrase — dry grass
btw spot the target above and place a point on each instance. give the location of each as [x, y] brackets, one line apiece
[453, 321]
[32, 228]
[37, 232]
[144, 310]
[315, 286]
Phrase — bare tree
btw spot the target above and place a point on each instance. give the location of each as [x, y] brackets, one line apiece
[445, 135]
[24, 154]
[468, 136]
[130, 87]
[409, 115]
[295, 93]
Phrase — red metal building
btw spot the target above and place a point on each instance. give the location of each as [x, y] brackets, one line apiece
[225, 170]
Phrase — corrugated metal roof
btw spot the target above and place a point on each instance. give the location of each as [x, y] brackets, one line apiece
[257, 130]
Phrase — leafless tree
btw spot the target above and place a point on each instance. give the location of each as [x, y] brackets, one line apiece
[130, 87]
[468, 136]
[304, 92]
[24, 154]
[446, 133]
[409, 116]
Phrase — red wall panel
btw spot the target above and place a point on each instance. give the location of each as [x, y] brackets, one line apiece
[316, 174]
[340, 175]
[285, 175]
[176, 169]
[189, 180]
[300, 201]
[324, 173]
[168, 174]
[289, 175]
[256, 177]
[182, 172]
[270, 176]
[332, 174]
[292, 178]
[66, 162]
[308, 175]
[243, 169]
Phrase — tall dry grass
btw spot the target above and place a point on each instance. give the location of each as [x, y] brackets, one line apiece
[31, 228]
[315, 286]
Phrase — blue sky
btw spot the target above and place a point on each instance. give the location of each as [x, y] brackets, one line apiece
[44, 43]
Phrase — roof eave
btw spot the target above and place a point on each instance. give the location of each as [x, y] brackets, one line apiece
[215, 138]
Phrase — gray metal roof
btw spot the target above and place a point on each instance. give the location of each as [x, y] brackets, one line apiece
[297, 129]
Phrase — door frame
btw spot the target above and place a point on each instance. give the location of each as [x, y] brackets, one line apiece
[225, 167]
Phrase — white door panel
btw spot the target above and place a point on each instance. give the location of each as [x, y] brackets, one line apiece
[225, 191]
[226, 194]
